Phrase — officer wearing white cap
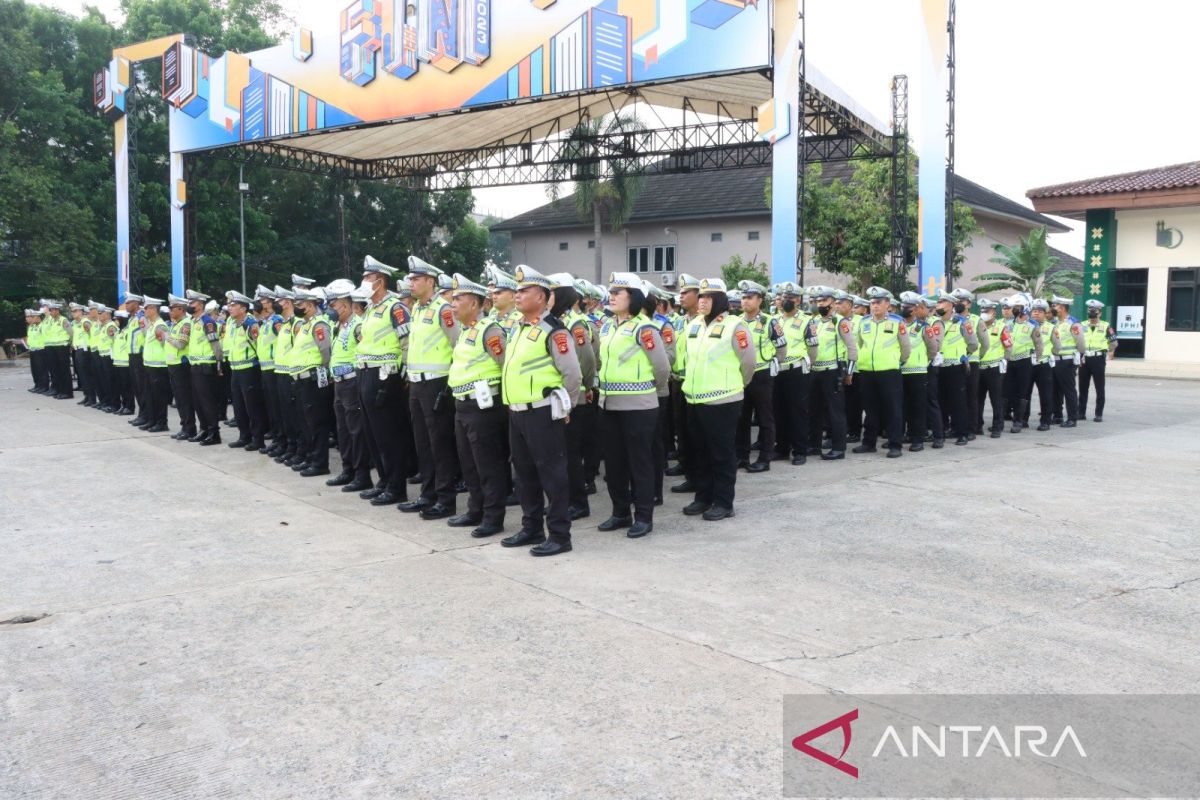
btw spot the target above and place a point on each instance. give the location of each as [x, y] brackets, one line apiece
[657, 309]
[915, 371]
[204, 360]
[633, 366]
[154, 359]
[430, 353]
[312, 348]
[721, 361]
[480, 418]
[959, 343]
[268, 335]
[136, 331]
[793, 384]
[56, 341]
[243, 335]
[180, 373]
[300, 282]
[1069, 347]
[883, 346]
[993, 363]
[770, 345]
[1043, 369]
[288, 447]
[833, 371]
[1101, 345]
[584, 413]
[541, 378]
[503, 292]
[37, 357]
[355, 475]
[963, 300]
[108, 380]
[689, 297]
[79, 348]
[1026, 348]
[844, 306]
[381, 357]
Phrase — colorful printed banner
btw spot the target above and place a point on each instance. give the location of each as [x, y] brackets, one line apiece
[931, 174]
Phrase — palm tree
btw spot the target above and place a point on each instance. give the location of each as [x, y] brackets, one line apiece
[594, 144]
[1030, 268]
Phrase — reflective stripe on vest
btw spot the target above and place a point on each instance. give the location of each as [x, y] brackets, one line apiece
[995, 351]
[200, 349]
[830, 347]
[472, 361]
[918, 359]
[625, 369]
[954, 346]
[342, 356]
[760, 333]
[154, 353]
[1022, 335]
[429, 349]
[879, 350]
[379, 344]
[714, 369]
[529, 370]
[242, 353]
[1095, 337]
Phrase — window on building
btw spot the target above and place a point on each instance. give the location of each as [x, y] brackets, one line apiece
[639, 259]
[563, 245]
[1183, 300]
[591, 244]
[716, 237]
[664, 258]
[752, 236]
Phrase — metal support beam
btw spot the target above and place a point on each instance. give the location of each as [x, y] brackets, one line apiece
[950, 68]
[900, 182]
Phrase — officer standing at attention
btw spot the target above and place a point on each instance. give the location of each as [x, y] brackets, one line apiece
[154, 359]
[633, 367]
[204, 359]
[883, 346]
[242, 332]
[311, 351]
[540, 367]
[79, 342]
[962, 307]
[720, 364]
[176, 349]
[1069, 346]
[430, 351]
[959, 342]
[915, 371]
[770, 345]
[480, 419]
[503, 292]
[347, 406]
[1043, 370]
[289, 444]
[1101, 342]
[993, 363]
[833, 372]
[844, 306]
[689, 297]
[123, 379]
[584, 412]
[381, 355]
[1026, 349]
[792, 384]
[37, 355]
[56, 341]
[268, 334]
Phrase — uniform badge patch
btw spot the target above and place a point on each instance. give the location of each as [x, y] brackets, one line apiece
[561, 342]
[647, 338]
[580, 336]
[447, 317]
[743, 339]
[668, 334]
[495, 345]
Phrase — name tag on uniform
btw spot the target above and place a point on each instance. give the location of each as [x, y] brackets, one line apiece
[534, 334]
[625, 332]
[716, 332]
[694, 331]
[866, 327]
[427, 317]
[472, 336]
[889, 327]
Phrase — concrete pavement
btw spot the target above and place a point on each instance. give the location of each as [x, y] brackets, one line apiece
[217, 626]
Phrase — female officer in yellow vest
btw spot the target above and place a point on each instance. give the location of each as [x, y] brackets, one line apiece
[770, 346]
[347, 406]
[430, 350]
[720, 363]
[122, 376]
[633, 368]
[242, 337]
[480, 419]
[33, 341]
[1101, 345]
[541, 376]
[792, 385]
[883, 346]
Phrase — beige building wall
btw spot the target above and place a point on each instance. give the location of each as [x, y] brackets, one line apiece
[1137, 249]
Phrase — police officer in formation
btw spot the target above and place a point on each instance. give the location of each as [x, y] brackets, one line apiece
[522, 387]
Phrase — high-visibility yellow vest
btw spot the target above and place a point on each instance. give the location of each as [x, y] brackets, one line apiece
[954, 345]
[918, 359]
[78, 335]
[831, 349]
[760, 335]
[121, 345]
[342, 358]
[1022, 335]
[625, 369]
[107, 335]
[380, 343]
[1066, 340]
[974, 320]
[266, 342]
[305, 353]
[33, 336]
[879, 345]
[174, 356]
[154, 353]
[200, 349]
[243, 350]
[529, 372]
[714, 369]
[429, 349]
[473, 360]
[1095, 337]
[96, 327]
[795, 330]
[54, 334]
[285, 339]
[995, 351]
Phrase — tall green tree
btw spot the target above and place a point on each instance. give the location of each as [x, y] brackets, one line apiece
[1028, 267]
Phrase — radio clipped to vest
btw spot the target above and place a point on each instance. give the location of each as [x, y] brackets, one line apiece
[483, 395]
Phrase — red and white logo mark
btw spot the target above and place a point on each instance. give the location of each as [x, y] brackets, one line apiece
[801, 743]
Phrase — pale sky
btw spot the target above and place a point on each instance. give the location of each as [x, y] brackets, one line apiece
[1048, 90]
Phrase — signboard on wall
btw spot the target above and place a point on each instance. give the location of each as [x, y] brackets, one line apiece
[381, 60]
[1130, 320]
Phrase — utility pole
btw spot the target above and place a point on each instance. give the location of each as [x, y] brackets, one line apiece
[243, 189]
[342, 229]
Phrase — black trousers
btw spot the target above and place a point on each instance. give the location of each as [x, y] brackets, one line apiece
[351, 429]
[855, 406]
[316, 404]
[158, 393]
[828, 404]
[249, 406]
[991, 386]
[432, 409]
[953, 389]
[713, 435]
[37, 369]
[916, 404]
[480, 434]
[539, 454]
[270, 394]
[760, 402]
[1043, 378]
[58, 361]
[1092, 369]
[792, 389]
[205, 386]
[224, 392]
[683, 444]
[291, 417]
[628, 438]
[593, 453]
[661, 446]
[123, 386]
[583, 418]
[82, 375]
[1018, 385]
[973, 413]
[137, 372]
[385, 409]
[181, 387]
[108, 393]
[91, 365]
[1064, 384]
[933, 392]
[883, 401]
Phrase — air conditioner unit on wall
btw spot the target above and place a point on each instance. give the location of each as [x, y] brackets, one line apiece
[667, 279]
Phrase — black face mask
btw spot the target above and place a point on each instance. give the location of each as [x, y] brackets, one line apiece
[960, 308]
[300, 312]
[1094, 313]
[824, 311]
[789, 306]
